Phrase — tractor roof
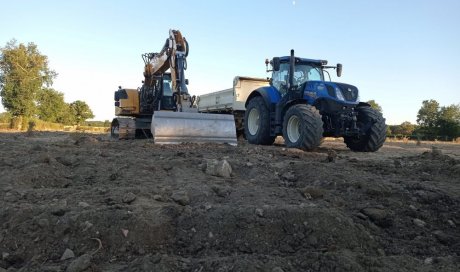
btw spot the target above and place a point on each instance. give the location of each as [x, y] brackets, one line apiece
[302, 60]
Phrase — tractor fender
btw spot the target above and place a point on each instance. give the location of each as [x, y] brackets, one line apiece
[363, 104]
[269, 94]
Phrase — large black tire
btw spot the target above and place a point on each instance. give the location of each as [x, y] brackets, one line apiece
[257, 122]
[303, 127]
[373, 122]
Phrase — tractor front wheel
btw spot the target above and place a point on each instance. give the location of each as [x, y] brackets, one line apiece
[302, 127]
[373, 123]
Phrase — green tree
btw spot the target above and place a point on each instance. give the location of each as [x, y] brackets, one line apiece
[427, 117]
[375, 105]
[448, 121]
[51, 106]
[81, 111]
[390, 130]
[23, 72]
[5, 117]
[405, 128]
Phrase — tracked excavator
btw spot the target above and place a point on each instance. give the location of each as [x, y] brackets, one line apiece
[163, 108]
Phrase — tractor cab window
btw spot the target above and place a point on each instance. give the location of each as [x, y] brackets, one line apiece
[306, 72]
[280, 78]
[302, 73]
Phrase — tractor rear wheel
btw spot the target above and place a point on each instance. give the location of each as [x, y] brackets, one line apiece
[302, 127]
[257, 122]
[373, 122]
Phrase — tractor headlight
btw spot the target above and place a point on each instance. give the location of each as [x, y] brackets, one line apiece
[339, 94]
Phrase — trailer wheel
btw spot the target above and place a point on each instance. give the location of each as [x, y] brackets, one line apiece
[257, 122]
[373, 123]
[115, 129]
[302, 127]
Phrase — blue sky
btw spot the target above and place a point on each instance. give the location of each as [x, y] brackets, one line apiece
[398, 53]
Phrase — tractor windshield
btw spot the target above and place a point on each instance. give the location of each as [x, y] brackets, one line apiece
[303, 72]
[306, 72]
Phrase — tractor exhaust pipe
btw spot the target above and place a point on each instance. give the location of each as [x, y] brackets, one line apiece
[291, 69]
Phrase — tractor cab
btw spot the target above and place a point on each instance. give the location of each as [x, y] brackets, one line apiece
[303, 70]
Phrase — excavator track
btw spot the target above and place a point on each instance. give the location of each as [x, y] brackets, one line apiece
[123, 128]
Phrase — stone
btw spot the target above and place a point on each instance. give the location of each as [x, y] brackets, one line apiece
[218, 168]
[331, 155]
[60, 208]
[58, 211]
[379, 216]
[314, 193]
[451, 223]
[221, 191]
[158, 197]
[249, 164]
[277, 269]
[419, 222]
[428, 260]
[181, 197]
[5, 255]
[435, 151]
[79, 264]
[64, 160]
[259, 212]
[129, 198]
[289, 176]
[43, 223]
[86, 140]
[7, 188]
[442, 237]
[68, 254]
[83, 204]
[86, 225]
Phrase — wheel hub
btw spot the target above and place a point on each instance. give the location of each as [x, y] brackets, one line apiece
[253, 121]
[293, 129]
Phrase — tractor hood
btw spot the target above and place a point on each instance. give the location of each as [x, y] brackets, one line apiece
[335, 90]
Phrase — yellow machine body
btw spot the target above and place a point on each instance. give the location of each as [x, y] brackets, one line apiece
[128, 104]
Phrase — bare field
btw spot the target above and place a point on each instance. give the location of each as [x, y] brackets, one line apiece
[82, 202]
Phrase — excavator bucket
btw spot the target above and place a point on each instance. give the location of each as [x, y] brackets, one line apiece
[188, 127]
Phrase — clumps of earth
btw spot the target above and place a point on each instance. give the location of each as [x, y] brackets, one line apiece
[82, 202]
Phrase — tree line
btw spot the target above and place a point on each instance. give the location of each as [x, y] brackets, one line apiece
[26, 89]
[434, 122]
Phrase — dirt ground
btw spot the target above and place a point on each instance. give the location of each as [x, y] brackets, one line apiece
[80, 202]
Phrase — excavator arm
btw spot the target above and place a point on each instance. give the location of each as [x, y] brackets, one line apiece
[173, 56]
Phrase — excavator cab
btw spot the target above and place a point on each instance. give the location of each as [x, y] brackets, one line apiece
[167, 99]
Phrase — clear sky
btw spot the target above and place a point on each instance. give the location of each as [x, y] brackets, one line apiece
[398, 53]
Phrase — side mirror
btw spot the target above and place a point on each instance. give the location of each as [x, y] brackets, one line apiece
[339, 69]
[186, 81]
[276, 64]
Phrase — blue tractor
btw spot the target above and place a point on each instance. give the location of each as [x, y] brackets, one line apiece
[303, 107]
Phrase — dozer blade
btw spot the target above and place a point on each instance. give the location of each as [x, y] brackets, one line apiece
[185, 127]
